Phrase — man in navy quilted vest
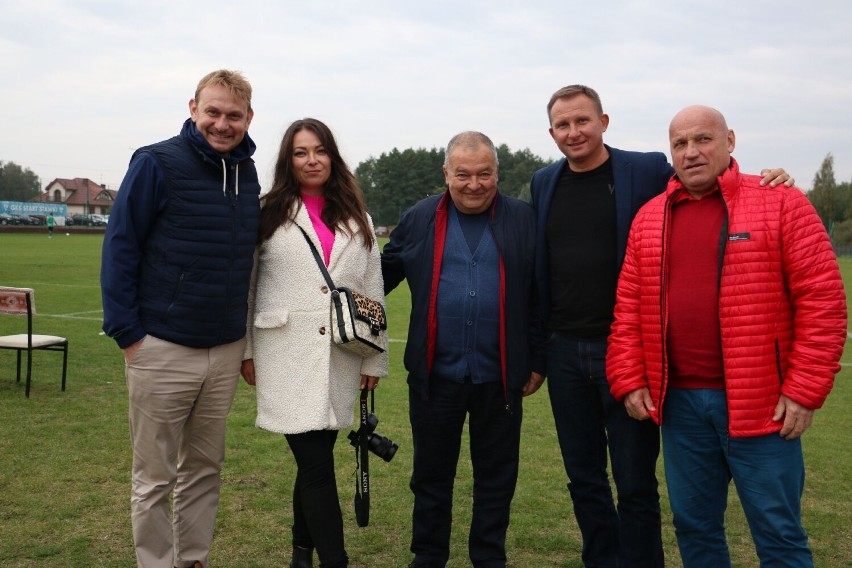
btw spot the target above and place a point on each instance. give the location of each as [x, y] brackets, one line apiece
[177, 258]
[730, 321]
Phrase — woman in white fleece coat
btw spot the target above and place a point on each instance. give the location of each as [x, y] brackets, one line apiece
[306, 385]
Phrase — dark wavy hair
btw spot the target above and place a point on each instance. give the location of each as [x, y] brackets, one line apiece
[343, 198]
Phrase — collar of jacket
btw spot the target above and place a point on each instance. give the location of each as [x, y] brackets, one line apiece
[244, 150]
[728, 183]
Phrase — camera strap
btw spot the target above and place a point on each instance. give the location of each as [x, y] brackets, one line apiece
[362, 463]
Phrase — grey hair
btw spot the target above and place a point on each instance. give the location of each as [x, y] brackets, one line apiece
[469, 139]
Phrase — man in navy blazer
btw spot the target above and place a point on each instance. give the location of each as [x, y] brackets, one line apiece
[584, 206]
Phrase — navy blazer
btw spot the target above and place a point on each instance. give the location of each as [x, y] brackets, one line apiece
[638, 177]
[409, 255]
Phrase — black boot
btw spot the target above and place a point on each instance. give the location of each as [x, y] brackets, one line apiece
[302, 557]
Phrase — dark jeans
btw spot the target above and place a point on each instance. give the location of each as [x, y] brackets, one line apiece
[317, 520]
[495, 437]
[588, 422]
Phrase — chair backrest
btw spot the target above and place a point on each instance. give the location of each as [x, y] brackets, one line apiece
[17, 301]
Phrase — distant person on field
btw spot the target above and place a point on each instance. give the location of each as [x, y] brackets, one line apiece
[177, 258]
[51, 222]
[729, 326]
[468, 258]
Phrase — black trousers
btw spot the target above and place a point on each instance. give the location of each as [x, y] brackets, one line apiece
[317, 520]
[495, 436]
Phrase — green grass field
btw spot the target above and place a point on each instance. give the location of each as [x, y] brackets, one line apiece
[65, 457]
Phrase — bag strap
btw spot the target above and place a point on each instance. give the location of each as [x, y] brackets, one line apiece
[317, 258]
[335, 294]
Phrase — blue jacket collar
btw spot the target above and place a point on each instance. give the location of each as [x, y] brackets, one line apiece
[244, 149]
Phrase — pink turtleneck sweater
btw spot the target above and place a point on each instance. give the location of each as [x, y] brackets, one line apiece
[314, 205]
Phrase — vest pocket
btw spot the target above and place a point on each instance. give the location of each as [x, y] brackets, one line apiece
[175, 296]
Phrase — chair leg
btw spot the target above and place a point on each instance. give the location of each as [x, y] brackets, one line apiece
[18, 380]
[29, 372]
[64, 364]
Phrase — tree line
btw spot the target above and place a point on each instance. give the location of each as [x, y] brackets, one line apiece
[398, 179]
[833, 202]
[18, 183]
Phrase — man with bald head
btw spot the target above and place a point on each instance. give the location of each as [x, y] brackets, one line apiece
[729, 326]
[467, 255]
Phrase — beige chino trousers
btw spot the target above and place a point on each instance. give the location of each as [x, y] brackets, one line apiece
[179, 403]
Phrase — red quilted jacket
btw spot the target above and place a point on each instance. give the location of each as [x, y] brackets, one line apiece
[782, 308]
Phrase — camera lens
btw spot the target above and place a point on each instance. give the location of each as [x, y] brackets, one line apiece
[382, 446]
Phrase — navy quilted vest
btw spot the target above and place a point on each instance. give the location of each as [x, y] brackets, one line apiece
[197, 263]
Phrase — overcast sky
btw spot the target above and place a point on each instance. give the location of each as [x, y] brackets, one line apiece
[84, 83]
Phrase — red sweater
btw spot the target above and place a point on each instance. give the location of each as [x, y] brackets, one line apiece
[694, 338]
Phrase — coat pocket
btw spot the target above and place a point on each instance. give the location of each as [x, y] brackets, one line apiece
[271, 320]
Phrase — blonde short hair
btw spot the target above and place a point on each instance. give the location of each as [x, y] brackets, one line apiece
[234, 81]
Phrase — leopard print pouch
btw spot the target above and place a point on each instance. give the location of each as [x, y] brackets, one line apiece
[358, 323]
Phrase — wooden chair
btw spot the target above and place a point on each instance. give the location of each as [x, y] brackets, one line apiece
[21, 302]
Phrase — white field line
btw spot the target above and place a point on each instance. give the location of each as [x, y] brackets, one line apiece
[34, 284]
[75, 316]
[72, 314]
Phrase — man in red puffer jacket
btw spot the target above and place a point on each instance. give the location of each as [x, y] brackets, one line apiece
[729, 326]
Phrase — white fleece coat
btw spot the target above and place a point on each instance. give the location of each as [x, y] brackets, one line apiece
[304, 381]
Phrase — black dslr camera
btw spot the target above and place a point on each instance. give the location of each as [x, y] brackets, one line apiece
[380, 445]
[366, 440]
